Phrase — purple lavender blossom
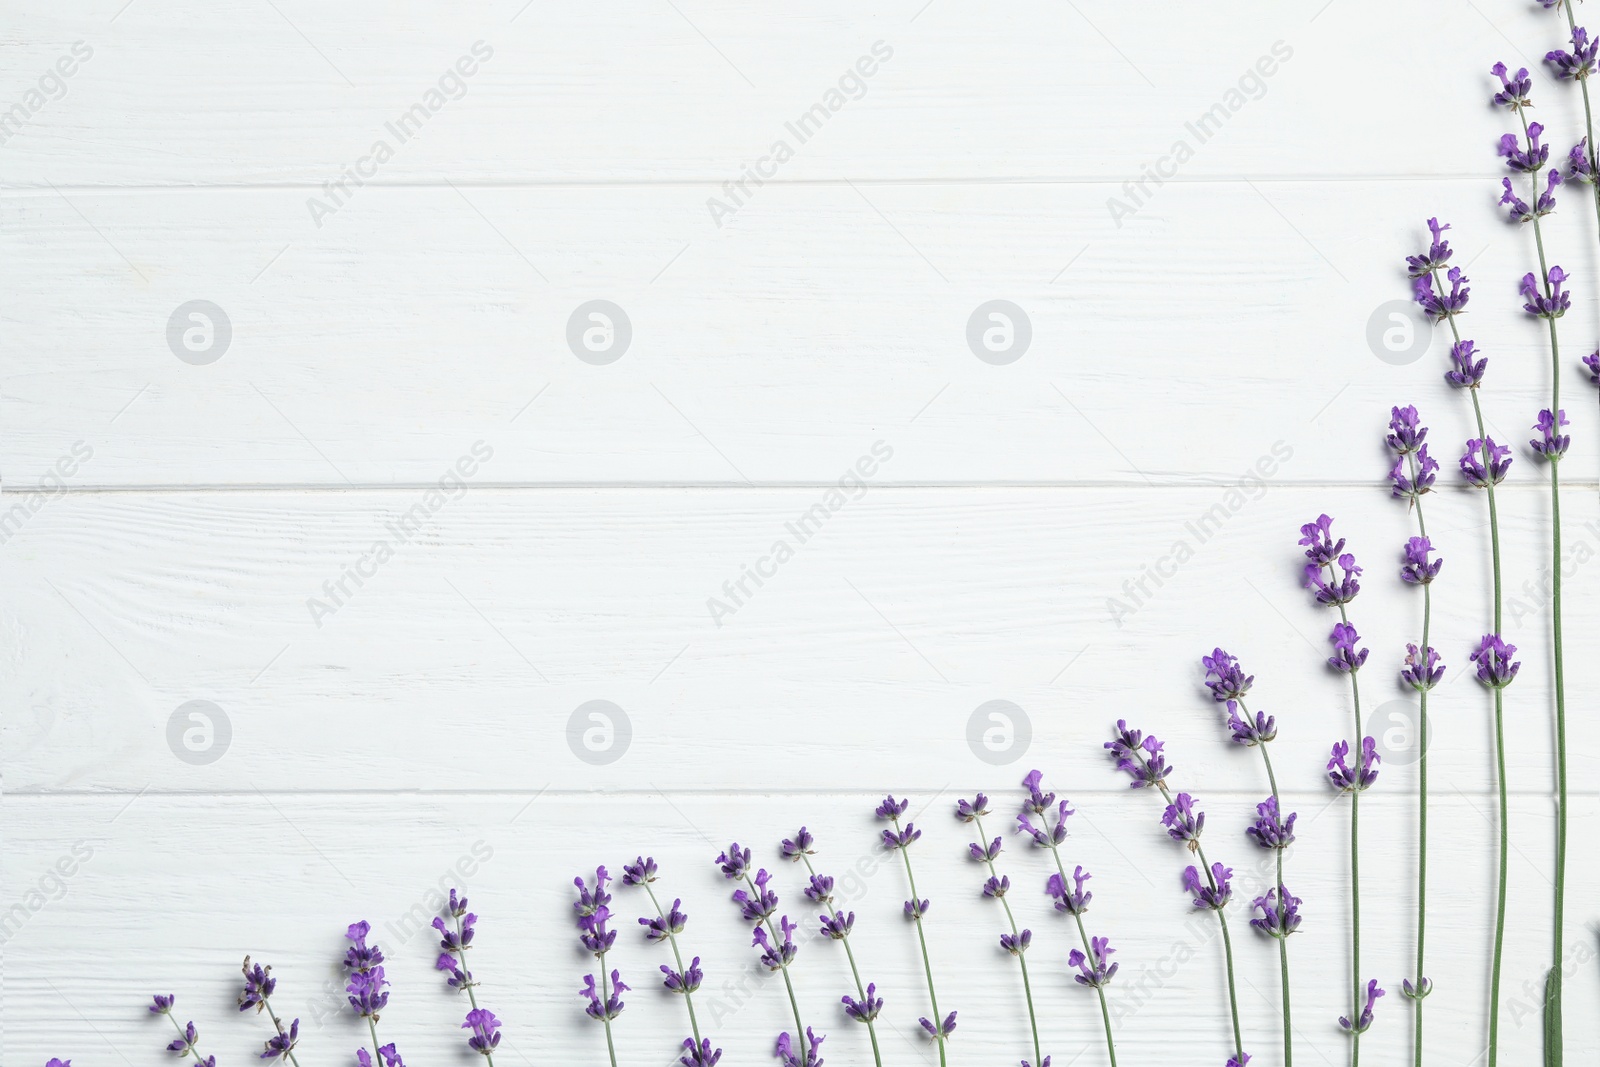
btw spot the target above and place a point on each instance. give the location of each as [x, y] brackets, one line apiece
[366, 986]
[1406, 432]
[943, 1029]
[837, 925]
[1273, 923]
[1496, 660]
[1330, 590]
[1184, 822]
[281, 1045]
[186, 1040]
[685, 981]
[1438, 253]
[819, 890]
[1074, 901]
[1543, 204]
[1579, 168]
[1538, 304]
[761, 902]
[1438, 304]
[1095, 969]
[984, 853]
[54, 1062]
[1422, 672]
[1592, 361]
[607, 1008]
[1473, 469]
[641, 871]
[1317, 539]
[1417, 569]
[1514, 88]
[776, 955]
[808, 1057]
[1224, 677]
[1406, 486]
[1365, 1020]
[970, 810]
[1215, 891]
[1346, 657]
[866, 1009]
[1466, 369]
[699, 1055]
[1340, 774]
[798, 847]
[258, 986]
[734, 861]
[1241, 1060]
[1577, 64]
[1251, 732]
[387, 1054]
[1138, 756]
[662, 927]
[1271, 829]
[1051, 830]
[1553, 443]
[485, 1031]
[1018, 943]
[161, 1004]
[1523, 160]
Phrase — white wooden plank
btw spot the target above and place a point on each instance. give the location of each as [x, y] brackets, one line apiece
[866, 653]
[774, 351]
[180, 888]
[190, 93]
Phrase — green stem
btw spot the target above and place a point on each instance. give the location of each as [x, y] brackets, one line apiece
[927, 967]
[1355, 860]
[788, 983]
[1500, 895]
[605, 1014]
[1083, 935]
[1283, 940]
[861, 990]
[1027, 987]
[372, 1028]
[1420, 990]
[1553, 1039]
[677, 955]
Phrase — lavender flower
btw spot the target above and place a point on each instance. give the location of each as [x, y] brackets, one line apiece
[282, 1044]
[1472, 465]
[1095, 969]
[1182, 820]
[1271, 829]
[455, 941]
[485, 1032]
[1409, 484]
[367, 989]
[386, 1053]
[258, 986]
[1422, 672]
[1438, 253]
[604, 1004]
[1250, 732]
[867, 1008]
[808, 1057]
[1053, 830]
[1466, 369]
[1577, 64]
[1346, 657]
[699, 1055]
[641, 871]
[1317, 539]
[774, 954]
[1579, 169]
[661, 927]
[1139, 757]
[1514, 88]
[798, 847]
[1522, 159]
[1543, 204]
[1272, 921]
[943, 1029]
[1417, 569]
[188, 1036]
[666, 925]
[1074, 901]
[1215, 891]
[1406, 432]
[916, 908]
[1224, 677]
[1365, 1020]
[1346, 780]
[54, 1062]
[1438, 304]
[685, 981]
[1322, 553]
[1546, 305]
[1554, 443]
[1496, 661]
[1592, 361]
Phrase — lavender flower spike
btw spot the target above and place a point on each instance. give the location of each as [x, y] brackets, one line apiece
[1438, 254]
[367, 989]
[455, 938]
[595, 935]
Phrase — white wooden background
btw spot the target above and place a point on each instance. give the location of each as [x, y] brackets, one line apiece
[425, 721]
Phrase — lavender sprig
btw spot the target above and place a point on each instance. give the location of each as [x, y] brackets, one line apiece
[1092, 961]
[368, 991]
[1141, 758]
[667, 925]
[259, 985]
[455, 938]
[837, 925]
[900, 840]
[594, 933]
[1547, 300]
[1229, 684]
[757, 904]
[1321, 551]
[185, 1045]
[1422, 671]
[985, 851]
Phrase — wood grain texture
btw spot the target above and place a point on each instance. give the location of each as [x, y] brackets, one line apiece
[299, 635]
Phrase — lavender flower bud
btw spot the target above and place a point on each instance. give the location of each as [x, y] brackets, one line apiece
[1361, 1024]
[893, 839]
[258, 986]
[1095, 969]
[1405, 486]
[798, 846]
[1054, 831]
[820, 889]
[982, 853]
[1422, 672]
[1336, 592]
[1466, 371]
[1544, 204]
[1514, 88]
[1039, 801]
[1417, 569]
[1592, 361]
[639, 872]
[1472, 466]
[1224, 677]
[701, 1055]
[590, 901]
[1074, 901]
[808, 1058]
[997, 887]
[280, 1044]
[1554, 443]
[1207, 895]
[1406, 432]
[1439, 304]
[1317, 539]
[1271, 922]
[864, 1010]
[969, 810]
[1016, 944]
[162, 1004]
[1520, 159]
[685, 981]
[485, 1031]
[1496, 663]
[1577, 64]
[611, 1006]
[761, 905]
[1542, 306]
[916, 909]
[1438, 250]
[838, 926]
[1271, 830]
[734, 861]
[1138, 756]
[1182, 821]
[943, 1029]
[661, 927]
[1346, 780]
[1346, 657]
[1249, 732]
[891, 808]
